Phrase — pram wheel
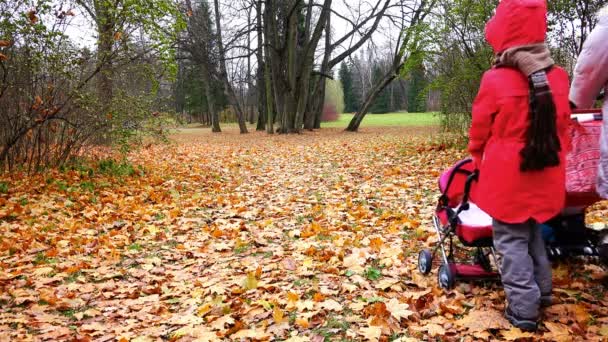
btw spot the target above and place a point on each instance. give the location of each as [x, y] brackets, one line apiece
[445, 277]
[425, 261]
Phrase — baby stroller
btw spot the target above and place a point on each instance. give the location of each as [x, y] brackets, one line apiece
[457, 216]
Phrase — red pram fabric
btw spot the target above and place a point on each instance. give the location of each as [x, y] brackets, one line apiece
[582, 163]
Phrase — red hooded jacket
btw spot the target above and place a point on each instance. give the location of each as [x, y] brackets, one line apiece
[501, 119]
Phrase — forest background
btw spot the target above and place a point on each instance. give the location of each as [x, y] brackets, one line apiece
[76, 73]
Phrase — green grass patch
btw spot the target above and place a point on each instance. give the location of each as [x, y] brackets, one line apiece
[387, 120]
[135, 247]
[117, 168]
[373, 273]
[3, 188]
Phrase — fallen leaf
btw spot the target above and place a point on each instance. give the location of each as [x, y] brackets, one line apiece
[398, 310]
[371, 333]
[515, 334]
[331, 305]
[482, 320]
[557, 332]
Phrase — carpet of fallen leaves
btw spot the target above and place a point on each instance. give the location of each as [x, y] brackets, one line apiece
[225, 237]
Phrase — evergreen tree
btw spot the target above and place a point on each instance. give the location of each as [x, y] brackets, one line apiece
[417, 90]
[346, 78]
[382, 103]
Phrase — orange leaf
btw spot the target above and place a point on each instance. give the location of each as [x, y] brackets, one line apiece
[5, 43]
[292, 297]
[376, 244]
[258, 272]
[302, 323]
[49, 297]
[32, 16]
[318, 297]
[72, 269]
[37, 102]
[117, 35]
[3, 57]
[51, 253]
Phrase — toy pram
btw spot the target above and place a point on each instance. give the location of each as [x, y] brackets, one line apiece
[565, 235]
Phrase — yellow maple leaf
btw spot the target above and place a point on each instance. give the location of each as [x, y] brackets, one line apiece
[514, 334]
[557, 332]
[278, 315]
[250, 282]
[482, 320]
[371, 333]
[398, 310]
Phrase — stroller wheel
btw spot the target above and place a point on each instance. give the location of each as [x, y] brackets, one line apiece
[425, 261]
[445, 277]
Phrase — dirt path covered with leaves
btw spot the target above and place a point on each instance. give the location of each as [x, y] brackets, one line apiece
[228, 237]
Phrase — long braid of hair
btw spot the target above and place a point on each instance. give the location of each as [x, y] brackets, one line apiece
[542, 142]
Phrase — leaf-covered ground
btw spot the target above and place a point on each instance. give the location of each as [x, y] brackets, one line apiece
[228, 237]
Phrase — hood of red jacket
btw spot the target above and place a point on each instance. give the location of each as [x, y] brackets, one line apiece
[517, 23]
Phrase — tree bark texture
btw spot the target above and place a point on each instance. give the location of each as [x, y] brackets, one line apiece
[290, 54]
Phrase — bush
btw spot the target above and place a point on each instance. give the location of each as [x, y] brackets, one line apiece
[112, 167]
[329, 113]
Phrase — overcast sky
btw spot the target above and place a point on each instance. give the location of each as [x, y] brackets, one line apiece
[82, 31]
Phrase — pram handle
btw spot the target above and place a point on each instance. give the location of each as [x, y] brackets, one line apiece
[587, 115]
[467, 189]
[465, 198]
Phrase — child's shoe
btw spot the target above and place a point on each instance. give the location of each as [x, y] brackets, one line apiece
[524, 324]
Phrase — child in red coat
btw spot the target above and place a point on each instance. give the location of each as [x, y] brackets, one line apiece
[518, 139]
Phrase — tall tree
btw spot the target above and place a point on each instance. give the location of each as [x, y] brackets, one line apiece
[358, 34]
[224, 73]
[261, 87]
[346, 78]
[116, 20]
[570, 23]
[410, 47]
[290, 58]
[417, 90]
[200, 42]
[381, 104]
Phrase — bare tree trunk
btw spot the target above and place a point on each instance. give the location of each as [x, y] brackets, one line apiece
[318, 98]
[207, 85]
[248, 103]
[260, 80]
[354, 124]
[224, 74]
[180, 95]
[409, 33]
[105, 42]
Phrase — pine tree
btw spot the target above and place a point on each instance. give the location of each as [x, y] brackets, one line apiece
[417, 90]
[346, 78]
[382, 103]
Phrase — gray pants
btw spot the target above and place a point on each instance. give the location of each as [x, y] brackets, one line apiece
[525, 269]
